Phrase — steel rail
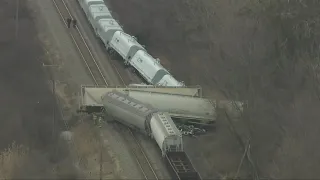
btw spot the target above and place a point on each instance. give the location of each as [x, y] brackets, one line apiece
[97, 76]
[147, 162]
[114, 67]
[93, 75]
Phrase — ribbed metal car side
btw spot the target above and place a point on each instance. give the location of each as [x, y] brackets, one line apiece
[128, 111]
[178, 106]
[165, 133]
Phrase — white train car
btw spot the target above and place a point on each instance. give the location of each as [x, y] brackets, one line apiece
[133, 53]
[125, 44]
[128, 111]
[101, 20]
[169, 80]
[85, 4]
[178, 106]
[144, 118]
[151, 70]
[95, 10]
[140, 85]
[165, 133]
[106, 29]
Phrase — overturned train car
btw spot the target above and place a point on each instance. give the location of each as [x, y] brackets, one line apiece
[189, 109]
[145, 119]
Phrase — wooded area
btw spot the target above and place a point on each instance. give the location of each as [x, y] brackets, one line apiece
[264, 52]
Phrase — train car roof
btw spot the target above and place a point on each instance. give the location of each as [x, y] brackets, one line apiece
[99, 10]
[94, 1]
[148, 65]
[109, 24]
[122, 100]
[169, 80]
[178, 106]
[88, 1]
[166, 124]
[91, 95]
[128, 38]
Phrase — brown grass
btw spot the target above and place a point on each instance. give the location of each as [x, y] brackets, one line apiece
[85, 140]
[12, 158]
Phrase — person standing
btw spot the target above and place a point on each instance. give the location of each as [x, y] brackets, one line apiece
[100, 122]
[74, 23]
[68, 22]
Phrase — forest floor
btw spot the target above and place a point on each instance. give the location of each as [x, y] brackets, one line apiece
[245, 50]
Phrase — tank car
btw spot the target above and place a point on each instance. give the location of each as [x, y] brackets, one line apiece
[179, 106]
[125, 44]
[134, 54]
[106, 29]
[95, 10]
[128, 111]
[86, 3]
[165, 133]
[140, 85]
[169, 80]
[149, 68]
[145, 119]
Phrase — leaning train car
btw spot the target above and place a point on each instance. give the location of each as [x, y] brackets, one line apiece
[145, 119]
[156, 124]
[195, 110]
[165, 133]
[128, 111]
[149, 68]
[106, 29]
[133, 53]
[169, 80]
[152, 71]
[125, 45]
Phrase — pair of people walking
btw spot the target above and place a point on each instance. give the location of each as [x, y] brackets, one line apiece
[74, 22]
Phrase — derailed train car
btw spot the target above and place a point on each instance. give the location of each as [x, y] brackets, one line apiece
[151, 69]
[128, 111]
[155, 124]
[115, 39]
[194, 110]
[145, 119]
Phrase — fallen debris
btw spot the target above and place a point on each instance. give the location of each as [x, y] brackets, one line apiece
[190, 130]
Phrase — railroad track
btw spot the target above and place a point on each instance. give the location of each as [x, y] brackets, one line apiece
[81, 45]
[100, 80]
[143, 162]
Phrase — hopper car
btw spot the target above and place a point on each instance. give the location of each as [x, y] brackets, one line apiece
[113, 37]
